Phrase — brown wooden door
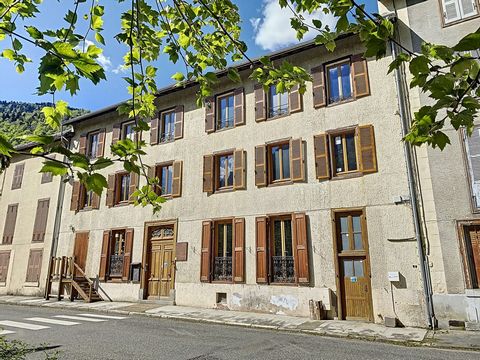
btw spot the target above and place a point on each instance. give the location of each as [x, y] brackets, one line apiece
[160, 271]
[80, 250]
[473, 234]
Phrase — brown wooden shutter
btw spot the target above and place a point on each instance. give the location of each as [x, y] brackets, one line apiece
[474, 236]
[102, 271]
[322, 164]
[239, 250]
[239, 169]
[18, 176]
[154, 131]
[116, 132]
[366, 145]
[10, 221]
[210, 114]
[205, 260]
[297, 166]
[300, 239]
[318, 83]
[261, 165]
[41, 218]
[82, 147]
[261, 249]
[110, 201]
[208, 162]
[361, 84]
[4, 262]
[134, 179]
[179, 122]
[101, 143]
[295, 100]
[34, 266]
[127, 256]
[152, 174]
[177, 179]
[260, 103]
[95, 201]
[239, 111]
[75, 200]
[47, 177]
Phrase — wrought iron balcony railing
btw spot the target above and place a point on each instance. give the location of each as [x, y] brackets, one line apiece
[278, 110]
[116, 265]
[283, 269]
[222, 269]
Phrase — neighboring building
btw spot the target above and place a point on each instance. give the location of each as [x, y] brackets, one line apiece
[449, 180]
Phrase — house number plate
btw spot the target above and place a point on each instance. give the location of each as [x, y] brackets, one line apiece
[353, 279]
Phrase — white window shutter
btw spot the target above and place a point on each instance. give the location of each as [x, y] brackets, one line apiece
[451, 10]
[468, 8]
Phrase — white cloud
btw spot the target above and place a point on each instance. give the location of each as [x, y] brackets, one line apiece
[273, 30]
[120, 69]
[103, 60]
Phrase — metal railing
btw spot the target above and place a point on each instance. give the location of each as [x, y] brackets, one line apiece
[167, 137]
[222, 269]
[225, 123]
[278, 110]
[283, 269]
[116, 265]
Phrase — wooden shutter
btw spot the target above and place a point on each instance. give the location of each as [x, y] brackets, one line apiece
[134, 179]
[205, 260]
[95, 201]
[295, 100]
[261, 249]
[4, 262]
[297, 166]
[47, 177]
[239, 111]
[208, 162]
[110, 201]
[18, 176]
[366, 144]
[260, 103]
[154, 131]
[10, 221]
[34, 266]
[361, 84]
[474, 237]
[322, 162]
[239, 250]
[127, 256]
[300, 239]
[177, 179]
[102, 271]
[210, 114]
[75, 200]
[239, 169]
[179, 122]
[101, 143]
[116, 132]
[318, 83]
[41, 218]
[82, 147]
[261, 165]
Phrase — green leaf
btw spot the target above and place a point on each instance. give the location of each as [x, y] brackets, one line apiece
[54, 167]
[101, 163]
[419, 65]
[469, 42]
[178, 76]
[96, 183]
[99, 38]
[39, 139]
[6, 147]
[8, 54]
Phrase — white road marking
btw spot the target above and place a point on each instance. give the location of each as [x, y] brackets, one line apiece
[103, 316]
[52, 321]
[78, 318]
[6, 332]
[22, 325]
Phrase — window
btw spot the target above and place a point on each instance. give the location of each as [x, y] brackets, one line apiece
[350, 232]
[167, 126]
[169, 178]
[225, 113]
[87, 201]
[280, 162]
[222, 263]
[277, 102]
[117, 252]
[34, 266]
[472, 150]
[344, 153]
[41, 217]
[339, 82]
[123, 186]
[128, 131]
[83, 199]
[4, 262]
[47, 177]
[456, 10]
[225, 171]
[116, 255]
[18, 176]
[10, 221]
[282, 249]
[93, 145]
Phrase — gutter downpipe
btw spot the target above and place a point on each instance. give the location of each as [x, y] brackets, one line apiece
[424, 267]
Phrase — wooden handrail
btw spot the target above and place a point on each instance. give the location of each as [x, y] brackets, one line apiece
[82, 273]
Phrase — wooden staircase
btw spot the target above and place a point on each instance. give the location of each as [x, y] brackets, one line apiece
[71, 279]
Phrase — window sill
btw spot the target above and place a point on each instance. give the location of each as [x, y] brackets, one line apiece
[283, 284]
[333, 104]
[166, 142]
[86, 209]
[351, 175]
[278, 116]
[280, 183]
[224, 190]
[224, 129]
[31, 284]
[220, 282]
[3, 283]
[456, 22]
[122, 203]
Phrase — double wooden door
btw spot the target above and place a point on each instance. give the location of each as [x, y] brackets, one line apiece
[160, 268]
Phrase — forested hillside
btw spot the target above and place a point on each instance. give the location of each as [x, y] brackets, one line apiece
[20, 118]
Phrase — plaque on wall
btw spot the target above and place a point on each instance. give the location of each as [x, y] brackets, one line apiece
[181, 251]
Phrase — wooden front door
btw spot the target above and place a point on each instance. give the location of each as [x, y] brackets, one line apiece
[80, 250]
[160, 270]
[472, 234]
[353, 269]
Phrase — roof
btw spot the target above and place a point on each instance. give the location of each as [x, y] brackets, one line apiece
[244, 65]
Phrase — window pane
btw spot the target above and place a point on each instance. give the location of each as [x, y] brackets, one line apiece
[230, 170]
[357, 226]
[222, 172]
[128, 132]
[93, 149]
[221, 234]
[124, 189]
[358, 268]
[283, 103]
[344, 224]
[170, 178]
[223, 113]
[229, 240]
[344, 233]
[334, 90]
[348, 268]
[338, 149]
[276, 163]
[346, 87]
[288, 238]
[351, 155]
[277, 238]
[230, 111]
[286, 161]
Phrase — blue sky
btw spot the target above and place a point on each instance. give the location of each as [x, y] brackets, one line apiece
[264, 29]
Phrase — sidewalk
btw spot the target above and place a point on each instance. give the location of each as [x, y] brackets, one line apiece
[348, 329]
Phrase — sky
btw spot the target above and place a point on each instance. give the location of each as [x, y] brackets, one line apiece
[264, 29]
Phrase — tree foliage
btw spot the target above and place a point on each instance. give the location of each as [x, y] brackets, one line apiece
[204, 35]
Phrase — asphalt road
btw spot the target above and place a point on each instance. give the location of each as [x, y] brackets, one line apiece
[136, 337]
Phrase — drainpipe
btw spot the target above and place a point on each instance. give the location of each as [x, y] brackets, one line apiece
[405, 120]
